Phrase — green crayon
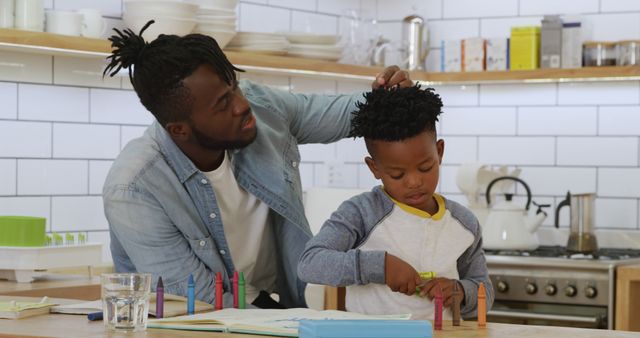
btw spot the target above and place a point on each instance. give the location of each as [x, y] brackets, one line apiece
[425, 276]
[241, 295]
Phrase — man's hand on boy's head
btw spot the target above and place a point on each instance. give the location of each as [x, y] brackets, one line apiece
[400, 276]
[430, 287]
[392, 76]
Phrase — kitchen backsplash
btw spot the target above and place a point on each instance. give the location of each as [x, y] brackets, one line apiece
[62, 125]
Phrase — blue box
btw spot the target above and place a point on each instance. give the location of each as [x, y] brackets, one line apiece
[365, 329]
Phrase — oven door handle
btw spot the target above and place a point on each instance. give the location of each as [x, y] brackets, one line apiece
[527, 315]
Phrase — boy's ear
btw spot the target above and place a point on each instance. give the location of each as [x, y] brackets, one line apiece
[440, 147]
[372, 166]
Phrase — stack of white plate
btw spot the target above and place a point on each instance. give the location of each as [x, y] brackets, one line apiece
[171, 17]
[217, 18]
[264, 43]
[313, 46]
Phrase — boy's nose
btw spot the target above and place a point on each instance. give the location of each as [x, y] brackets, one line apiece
[413, 181]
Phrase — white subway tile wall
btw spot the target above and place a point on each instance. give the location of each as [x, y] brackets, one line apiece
[61, 124]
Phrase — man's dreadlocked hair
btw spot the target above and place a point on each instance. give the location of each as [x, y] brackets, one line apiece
[157, 69]
[396, 114]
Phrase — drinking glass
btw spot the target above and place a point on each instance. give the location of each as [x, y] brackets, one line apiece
[125, 301]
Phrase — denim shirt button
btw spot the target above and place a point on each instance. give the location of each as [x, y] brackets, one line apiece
[203, 181]
[222, 252]
[203, 243]
[212, 215]
[294, 164]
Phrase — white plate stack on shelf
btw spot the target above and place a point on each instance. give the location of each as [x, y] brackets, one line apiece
[217, 18]
[263, 43]
[312, 46]
[171, 17]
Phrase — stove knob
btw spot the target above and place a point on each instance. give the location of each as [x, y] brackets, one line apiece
[570, 291]
[531, 288]
[590, 292]
[502, 286]
[550, 289]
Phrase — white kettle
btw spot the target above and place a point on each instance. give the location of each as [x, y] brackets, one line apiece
[508, 226]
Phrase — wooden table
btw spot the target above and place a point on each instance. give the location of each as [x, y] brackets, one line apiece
[56, 325]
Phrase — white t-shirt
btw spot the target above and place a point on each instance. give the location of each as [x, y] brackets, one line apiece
[426, 242]
[247, 229]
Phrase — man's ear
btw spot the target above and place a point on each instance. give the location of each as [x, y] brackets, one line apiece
[372, 166]
[179, 131]
[440, 147]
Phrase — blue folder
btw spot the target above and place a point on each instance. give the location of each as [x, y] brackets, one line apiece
[364, 329]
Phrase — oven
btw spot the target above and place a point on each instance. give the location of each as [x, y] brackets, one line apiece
[549, 286]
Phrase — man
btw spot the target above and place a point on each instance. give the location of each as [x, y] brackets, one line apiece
[213, 185]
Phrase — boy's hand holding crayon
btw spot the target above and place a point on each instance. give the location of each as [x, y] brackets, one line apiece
[430, 287]
[400, 276]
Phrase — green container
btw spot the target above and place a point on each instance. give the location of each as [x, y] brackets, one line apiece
[22, 231]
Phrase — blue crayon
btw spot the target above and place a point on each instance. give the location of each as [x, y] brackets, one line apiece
[191, 296]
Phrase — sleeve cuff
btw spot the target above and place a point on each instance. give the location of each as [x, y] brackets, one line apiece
[371, 265]
[470, 298]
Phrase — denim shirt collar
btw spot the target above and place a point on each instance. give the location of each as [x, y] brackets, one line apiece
[181, 164]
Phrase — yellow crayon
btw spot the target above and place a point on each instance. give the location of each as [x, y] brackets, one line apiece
[428, 275]
[482, 306]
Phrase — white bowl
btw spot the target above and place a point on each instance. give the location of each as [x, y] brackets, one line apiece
[216, 19]
[162, 25]
[215, 26]
[226, 4]
[216, 11]
[167, 8]
[222, 36]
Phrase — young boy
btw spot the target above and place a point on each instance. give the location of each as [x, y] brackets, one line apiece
[377, 243]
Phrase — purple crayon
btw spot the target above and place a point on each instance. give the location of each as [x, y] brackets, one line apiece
[159, 298]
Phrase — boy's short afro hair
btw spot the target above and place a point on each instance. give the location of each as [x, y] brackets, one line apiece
[396, 114]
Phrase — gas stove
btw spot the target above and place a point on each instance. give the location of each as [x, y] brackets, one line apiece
[551, 286]
[562, 252]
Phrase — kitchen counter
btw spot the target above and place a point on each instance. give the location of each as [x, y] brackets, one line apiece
[56, 286]
[56, 325]
[628, 298]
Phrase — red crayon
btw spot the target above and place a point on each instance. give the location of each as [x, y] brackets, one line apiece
[437, 320]
[218, 291]
[235, 289]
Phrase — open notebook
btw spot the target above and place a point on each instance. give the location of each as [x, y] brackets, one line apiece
[17, 309]
[282, 323]
[173, 306]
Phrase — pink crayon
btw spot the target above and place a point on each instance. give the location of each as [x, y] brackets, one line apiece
[235, 289]
[218, 291]
[437, 320]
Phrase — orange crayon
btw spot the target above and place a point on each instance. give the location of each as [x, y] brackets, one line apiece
[482, 306]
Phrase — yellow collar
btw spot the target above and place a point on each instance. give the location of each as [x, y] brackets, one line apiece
[415, 211]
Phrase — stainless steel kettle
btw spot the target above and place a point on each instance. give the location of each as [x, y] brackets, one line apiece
[581, 236]
[415, 42]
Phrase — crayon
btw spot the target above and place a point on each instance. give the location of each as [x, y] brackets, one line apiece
[235, 290]
[241, 296]
[218, 291]
[425, 276]
[455, 304]
[159, 298]
[437, 320]
[191, 296]
[94, 316]
[482, 306]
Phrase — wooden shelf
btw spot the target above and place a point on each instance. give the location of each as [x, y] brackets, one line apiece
[53, 44]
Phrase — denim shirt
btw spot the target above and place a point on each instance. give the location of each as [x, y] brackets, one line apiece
[162, 211]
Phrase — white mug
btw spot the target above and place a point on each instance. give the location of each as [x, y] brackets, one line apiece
[6, 13]
[65, 23]
[93, 25]
[29, 15]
